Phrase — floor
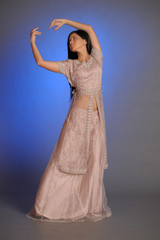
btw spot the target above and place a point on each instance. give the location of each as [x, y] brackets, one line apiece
[134, 216]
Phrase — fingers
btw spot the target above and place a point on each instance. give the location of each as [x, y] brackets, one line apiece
[35, 32]
[34, 29]
[56, 28]
[53, 23]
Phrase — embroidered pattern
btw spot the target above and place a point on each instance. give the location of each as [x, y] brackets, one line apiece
[95, 92]
[103, 125]
[60, 67]
[95, 50]
[72, 171]
[73, 164]
[86, 64]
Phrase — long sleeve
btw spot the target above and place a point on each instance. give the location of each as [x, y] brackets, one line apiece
[66, 68]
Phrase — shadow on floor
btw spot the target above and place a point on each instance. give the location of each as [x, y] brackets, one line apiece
[19, 190]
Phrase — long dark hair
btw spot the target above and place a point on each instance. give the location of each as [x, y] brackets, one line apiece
[73, 55]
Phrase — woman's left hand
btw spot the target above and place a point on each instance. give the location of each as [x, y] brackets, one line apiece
[57, 22]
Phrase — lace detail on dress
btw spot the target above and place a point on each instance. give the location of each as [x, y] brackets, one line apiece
[65, 67]
[86, 77]
[73, 151]
[102, 116]
[86, 64]
[99, 99]
[95, 50]
[72, 171]
[97, 55]
[60, 67]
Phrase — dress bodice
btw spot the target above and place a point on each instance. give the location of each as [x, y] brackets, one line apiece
[86, 77]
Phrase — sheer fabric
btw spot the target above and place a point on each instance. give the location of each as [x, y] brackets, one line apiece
[86, 78]
[72, 188]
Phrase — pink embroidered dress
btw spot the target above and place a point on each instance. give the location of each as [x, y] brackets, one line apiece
[72, 187]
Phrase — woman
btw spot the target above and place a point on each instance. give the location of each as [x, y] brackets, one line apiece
[72, 188]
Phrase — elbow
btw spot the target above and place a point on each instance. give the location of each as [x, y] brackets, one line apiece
[39, 63]
[90, 29]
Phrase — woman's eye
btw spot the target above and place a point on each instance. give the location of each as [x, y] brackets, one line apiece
[74, 38]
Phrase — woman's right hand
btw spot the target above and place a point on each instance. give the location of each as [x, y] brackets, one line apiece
[58, 22]
[33, 34]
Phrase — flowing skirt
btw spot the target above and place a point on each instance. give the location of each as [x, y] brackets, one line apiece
[65, 197]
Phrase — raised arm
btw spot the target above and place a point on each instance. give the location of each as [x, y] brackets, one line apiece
[53, 65]
[88, 28]
[49, 65]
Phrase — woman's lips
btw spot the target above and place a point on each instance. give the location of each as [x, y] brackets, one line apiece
[71, 47]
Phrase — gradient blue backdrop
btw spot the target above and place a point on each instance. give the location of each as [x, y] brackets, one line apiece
[34, 101]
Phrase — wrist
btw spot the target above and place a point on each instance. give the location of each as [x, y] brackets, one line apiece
[32, 41]
[65, 21]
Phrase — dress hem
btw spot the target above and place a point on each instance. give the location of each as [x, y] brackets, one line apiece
[90, 218]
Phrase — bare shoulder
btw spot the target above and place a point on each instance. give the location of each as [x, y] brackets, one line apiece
[94, 39]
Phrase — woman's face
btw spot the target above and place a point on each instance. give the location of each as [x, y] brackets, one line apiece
[75, 42]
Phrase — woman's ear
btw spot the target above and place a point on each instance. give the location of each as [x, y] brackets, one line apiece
[84, 40]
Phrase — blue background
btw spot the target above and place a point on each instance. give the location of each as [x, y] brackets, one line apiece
[34, 101]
